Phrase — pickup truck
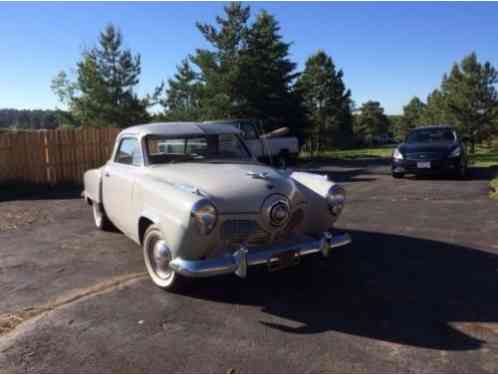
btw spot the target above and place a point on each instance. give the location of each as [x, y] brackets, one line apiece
[270, 147]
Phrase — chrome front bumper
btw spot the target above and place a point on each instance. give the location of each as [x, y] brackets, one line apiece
[242, 258]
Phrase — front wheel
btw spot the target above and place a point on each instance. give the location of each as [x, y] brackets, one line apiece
[398, 175]
[157, 256]
[462, 170]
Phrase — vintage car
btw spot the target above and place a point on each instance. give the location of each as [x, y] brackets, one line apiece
[207, 207]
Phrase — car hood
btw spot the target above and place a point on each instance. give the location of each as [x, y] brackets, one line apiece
[444, 147]
[232, 187]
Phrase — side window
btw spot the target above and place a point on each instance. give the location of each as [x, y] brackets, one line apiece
[129, 152]
[248, 131]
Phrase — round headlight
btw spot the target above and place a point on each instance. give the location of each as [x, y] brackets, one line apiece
[336, 199]
[397, 155]
[456, 152]
[204, 215]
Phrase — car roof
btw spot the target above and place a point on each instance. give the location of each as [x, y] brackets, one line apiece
[180, 128]
[234, 121]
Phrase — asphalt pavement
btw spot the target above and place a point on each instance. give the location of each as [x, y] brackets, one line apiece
[417, 291]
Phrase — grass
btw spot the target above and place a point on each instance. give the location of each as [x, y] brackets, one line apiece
[484, 157]
[352, 154]
[487, 157]
[494, 188]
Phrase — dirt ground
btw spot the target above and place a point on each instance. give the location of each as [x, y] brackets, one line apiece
[417, 291]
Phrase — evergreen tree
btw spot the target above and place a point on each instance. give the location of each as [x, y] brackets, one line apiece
[412, 116]
[371, 121]
[246, 73]
[220, 67]
[183, 94]
[267, 74]
[327, 101]
[103, 93]
[436, 110]
[471, 97]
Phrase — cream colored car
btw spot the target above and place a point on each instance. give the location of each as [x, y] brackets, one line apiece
[192, 196]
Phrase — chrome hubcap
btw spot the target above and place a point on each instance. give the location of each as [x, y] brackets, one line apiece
[160, 258]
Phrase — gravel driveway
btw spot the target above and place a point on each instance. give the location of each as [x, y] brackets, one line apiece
[416, 291]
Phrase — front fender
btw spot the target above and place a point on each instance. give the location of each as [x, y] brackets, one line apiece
[315, 189]
[92, 182]
[170, 208]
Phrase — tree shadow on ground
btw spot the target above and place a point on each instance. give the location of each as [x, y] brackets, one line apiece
[389, 287]
[38, 192]
[364, 161]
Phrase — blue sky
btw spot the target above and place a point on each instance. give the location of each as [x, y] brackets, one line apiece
[388, 51]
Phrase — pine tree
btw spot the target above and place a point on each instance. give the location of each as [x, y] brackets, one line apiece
[183, 95]
[266, 72]
[103, 93]
[327, 101]
[436, 110]
[471, 97]
[247, 72]
[412, 116]
[220, 67]
[371, 121]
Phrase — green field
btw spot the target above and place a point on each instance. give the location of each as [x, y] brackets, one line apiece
[352, 154]
[485, 157]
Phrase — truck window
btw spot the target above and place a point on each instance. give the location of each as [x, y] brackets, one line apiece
[248, 131]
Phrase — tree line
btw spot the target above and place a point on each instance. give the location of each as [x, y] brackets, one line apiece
[467, 98]
[30, 119]
[247, 72]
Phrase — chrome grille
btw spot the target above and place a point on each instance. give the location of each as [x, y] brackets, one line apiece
[244, 231]
[424, 156]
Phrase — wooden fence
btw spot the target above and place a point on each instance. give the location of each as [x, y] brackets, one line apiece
[52, 157]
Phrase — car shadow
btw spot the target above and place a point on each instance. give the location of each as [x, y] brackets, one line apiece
[389, 287]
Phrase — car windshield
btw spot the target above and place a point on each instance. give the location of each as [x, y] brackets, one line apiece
[164, 149]
[431, 136]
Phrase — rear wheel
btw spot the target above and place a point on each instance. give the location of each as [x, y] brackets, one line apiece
[398, 175]
[100, 218]
[157, 257]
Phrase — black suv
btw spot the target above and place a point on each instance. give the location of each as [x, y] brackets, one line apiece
[430, 150]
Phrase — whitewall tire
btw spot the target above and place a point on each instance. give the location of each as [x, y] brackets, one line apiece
[157, 256]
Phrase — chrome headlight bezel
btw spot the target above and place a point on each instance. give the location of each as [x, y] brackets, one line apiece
[397, 155]
[455, 153]
[279, 213]
[275, 212]
[205, 216]
[336, 199]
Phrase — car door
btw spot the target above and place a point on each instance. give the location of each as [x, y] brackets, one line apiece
[118, 183]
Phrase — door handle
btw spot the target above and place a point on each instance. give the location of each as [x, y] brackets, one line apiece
[107, 174]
